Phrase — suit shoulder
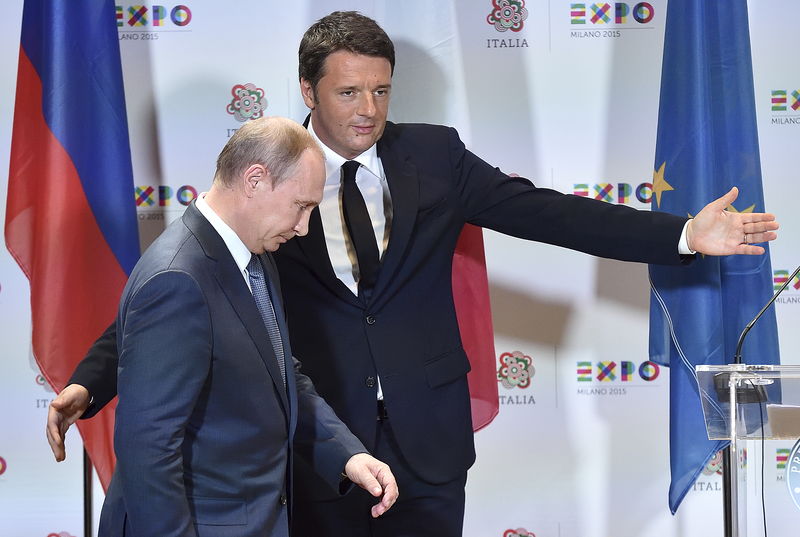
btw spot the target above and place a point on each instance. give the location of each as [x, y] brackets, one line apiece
[419, 131]
[176, 249]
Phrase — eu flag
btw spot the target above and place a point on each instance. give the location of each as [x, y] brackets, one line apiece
[707, 143]
[70, 215]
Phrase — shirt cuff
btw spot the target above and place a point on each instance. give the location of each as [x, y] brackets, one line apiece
[683, 244]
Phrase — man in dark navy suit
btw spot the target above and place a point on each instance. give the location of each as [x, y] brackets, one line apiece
[206, 426]
[372, 280]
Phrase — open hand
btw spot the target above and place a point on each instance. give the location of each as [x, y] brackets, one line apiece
[715, 231]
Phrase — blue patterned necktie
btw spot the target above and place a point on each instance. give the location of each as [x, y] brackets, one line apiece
[260, 289]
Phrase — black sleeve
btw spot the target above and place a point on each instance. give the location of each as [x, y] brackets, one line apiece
[97, 372]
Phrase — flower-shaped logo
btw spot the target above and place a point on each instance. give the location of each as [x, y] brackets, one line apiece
[519, 532]
[516, 369]
[714, 466]
[507, 15]
[248, 102]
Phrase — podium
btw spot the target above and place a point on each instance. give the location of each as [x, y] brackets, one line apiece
[757, 408]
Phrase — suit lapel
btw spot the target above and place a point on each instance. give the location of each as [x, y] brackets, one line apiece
[401, 174]
[232, 284]
[319, 261]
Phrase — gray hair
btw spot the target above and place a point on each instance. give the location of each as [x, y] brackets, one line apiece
[276, 143]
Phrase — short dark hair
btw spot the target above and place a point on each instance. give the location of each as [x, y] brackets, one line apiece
[341, 30]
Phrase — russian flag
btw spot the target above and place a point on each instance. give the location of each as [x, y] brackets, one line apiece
[70, 215]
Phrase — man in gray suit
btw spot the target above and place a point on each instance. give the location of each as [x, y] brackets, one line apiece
[208, 422]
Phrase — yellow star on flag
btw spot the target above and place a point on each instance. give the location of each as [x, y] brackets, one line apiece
[660, 185]
[732, 209]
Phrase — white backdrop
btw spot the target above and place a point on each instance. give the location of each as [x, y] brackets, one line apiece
[572, 106]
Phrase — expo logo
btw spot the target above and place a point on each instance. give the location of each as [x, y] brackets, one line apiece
[610, 371]
[602, 13]
[779, 277]
[622, 193]
[781, 458]
[780, 102]
[146, 195]
[155, 16]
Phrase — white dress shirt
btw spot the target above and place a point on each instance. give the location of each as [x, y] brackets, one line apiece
[241, 255]
[371, 181]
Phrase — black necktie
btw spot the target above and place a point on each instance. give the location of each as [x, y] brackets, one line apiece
[359, 225]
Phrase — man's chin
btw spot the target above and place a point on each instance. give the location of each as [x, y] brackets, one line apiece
[274, 244]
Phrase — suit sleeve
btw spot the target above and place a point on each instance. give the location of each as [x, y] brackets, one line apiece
[165, 358]
[97, 372]
[321, 438]
[514, 206]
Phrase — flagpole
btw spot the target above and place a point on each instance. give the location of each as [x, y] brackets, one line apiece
[726, 492]
[87, 495]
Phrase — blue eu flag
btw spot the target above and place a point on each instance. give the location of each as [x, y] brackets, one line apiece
[707, 143]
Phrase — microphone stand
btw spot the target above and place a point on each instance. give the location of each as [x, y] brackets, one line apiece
[727, 456]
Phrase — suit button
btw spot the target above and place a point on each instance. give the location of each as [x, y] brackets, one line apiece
[370, 319]
[369, 382]
[283, 499]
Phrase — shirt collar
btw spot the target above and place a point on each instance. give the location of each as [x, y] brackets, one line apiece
[241, 255]
[333, 160]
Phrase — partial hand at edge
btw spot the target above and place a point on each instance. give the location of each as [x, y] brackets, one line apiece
[64, 410]
[375, 477]
[715, 231]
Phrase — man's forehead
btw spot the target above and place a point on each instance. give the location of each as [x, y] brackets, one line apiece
[345, 62]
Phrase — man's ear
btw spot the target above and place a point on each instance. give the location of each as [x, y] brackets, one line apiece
[307, 91]
[254, 175]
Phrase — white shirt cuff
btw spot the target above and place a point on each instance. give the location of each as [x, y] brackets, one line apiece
[683, 244]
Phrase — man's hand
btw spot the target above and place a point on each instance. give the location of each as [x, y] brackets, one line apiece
[715, 231]
[375, 477]
[67, 407]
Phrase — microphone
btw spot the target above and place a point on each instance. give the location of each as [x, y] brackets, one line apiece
[748, 393]
[737, 358]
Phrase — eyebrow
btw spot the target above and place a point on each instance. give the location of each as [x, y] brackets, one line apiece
[355, 88]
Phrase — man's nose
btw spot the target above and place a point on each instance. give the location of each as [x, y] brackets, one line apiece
[302, 225]
[366, 105]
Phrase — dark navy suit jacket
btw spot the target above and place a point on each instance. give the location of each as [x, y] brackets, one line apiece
[205, 429]
[407, 332]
